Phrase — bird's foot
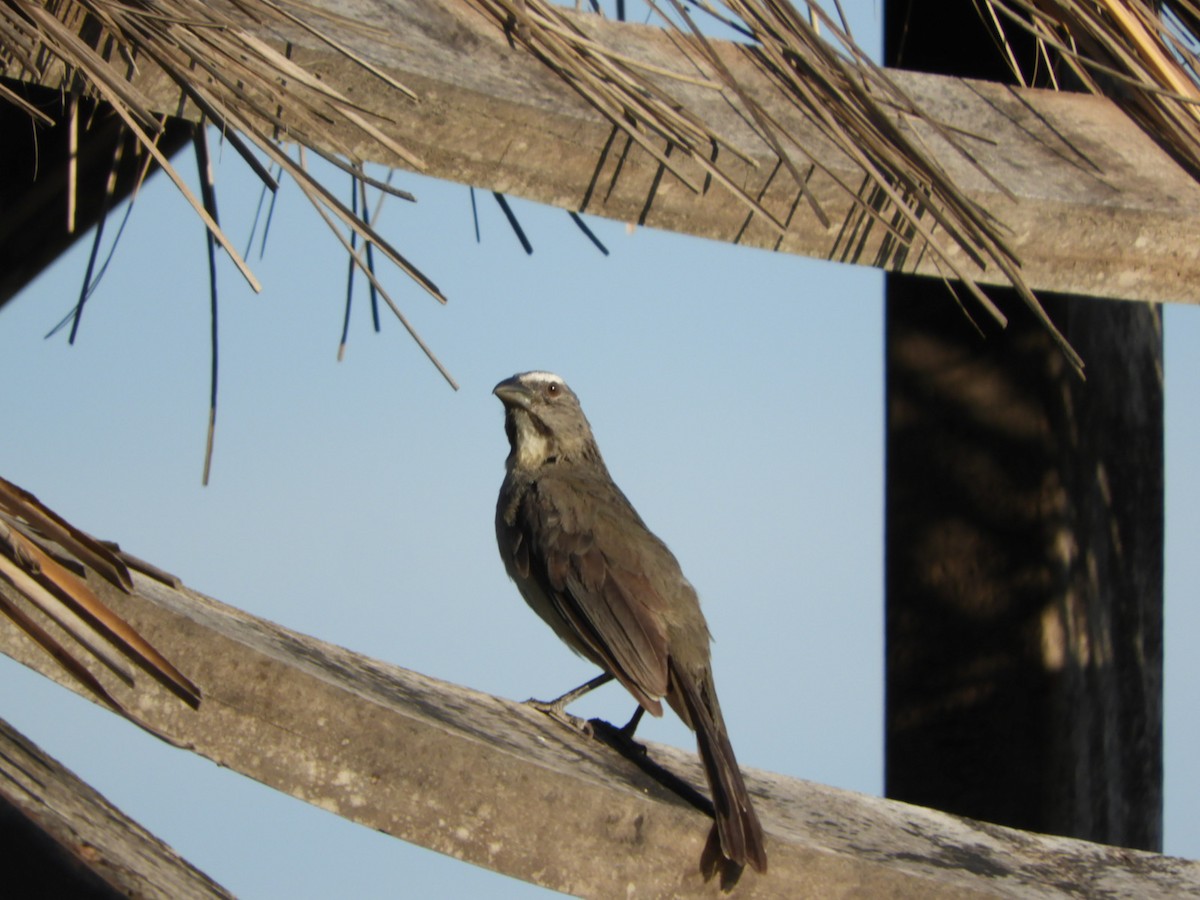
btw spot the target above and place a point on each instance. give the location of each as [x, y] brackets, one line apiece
[621, 738]
[556, 710]
[628, 729]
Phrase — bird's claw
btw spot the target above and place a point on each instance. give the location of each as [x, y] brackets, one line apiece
[619, 738]
[635, 747]
[556, 712]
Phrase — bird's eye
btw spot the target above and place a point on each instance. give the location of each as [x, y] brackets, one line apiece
[552, 389]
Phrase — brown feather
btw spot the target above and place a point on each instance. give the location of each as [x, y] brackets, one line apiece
[605, 606]
[739, 833]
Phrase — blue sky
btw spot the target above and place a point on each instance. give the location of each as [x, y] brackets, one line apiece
[736, 394]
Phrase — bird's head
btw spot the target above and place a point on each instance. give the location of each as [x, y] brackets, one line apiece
[544, 421]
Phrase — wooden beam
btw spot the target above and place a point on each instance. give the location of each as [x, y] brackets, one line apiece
[62, 839]
[1098, 208]
[495, 783]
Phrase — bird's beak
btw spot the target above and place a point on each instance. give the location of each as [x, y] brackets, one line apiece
[512, 393]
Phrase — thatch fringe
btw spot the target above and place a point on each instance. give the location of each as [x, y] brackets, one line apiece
[233, 77]
[238, 81]
[1141, 55]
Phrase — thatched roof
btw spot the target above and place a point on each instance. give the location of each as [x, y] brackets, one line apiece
[262, 101]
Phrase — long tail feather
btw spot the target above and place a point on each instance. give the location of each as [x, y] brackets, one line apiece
[737, 836]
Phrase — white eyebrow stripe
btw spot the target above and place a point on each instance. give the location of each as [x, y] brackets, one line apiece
[549, 377]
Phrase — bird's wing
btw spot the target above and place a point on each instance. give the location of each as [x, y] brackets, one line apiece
[591, 563]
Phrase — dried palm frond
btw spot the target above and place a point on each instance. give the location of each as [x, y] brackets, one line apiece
[257, 95]
[63, 609]
[832, 83]
[252, 92]
[1140, 54]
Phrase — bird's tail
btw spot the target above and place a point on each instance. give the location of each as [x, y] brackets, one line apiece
[736, 839]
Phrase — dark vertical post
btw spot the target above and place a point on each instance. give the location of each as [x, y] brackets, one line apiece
[1024, 539]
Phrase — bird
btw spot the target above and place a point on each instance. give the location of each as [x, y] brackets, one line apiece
[588, 565]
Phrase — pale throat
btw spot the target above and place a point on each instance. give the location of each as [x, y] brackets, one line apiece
[533, 446]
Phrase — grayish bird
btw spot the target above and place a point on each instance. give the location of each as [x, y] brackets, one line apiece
[587, 564]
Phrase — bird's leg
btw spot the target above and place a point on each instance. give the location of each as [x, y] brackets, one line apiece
[557, 709]
[622, 738]
[630, 727]
[571, 696]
